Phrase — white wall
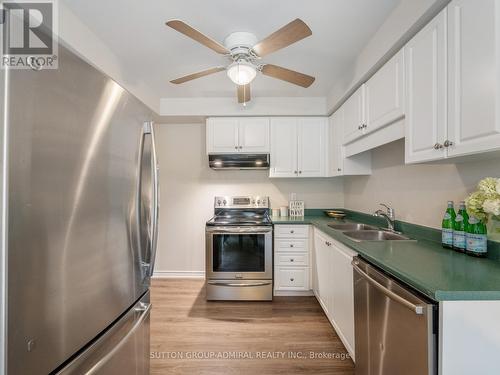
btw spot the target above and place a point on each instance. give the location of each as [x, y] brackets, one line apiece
[188, 187]
[417, 192]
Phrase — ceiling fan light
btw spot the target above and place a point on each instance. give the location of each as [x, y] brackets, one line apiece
[241, 73]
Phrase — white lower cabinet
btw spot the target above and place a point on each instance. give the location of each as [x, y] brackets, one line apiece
[333, 285]
[291, 260]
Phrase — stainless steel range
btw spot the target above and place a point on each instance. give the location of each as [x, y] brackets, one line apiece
[239, 250]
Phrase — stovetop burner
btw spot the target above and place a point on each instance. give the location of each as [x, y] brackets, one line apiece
[241, 211]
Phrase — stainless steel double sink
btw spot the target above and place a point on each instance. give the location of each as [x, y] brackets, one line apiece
[364, 232]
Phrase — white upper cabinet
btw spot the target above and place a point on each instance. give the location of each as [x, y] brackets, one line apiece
[254, 134]
[354, 119]
[473, 76]
[283, 147]
[338, 163]
[384, 95]
[298, 147]
[311, 152]
[453, 83]
[222, 135]
[425, 60]
[229, 134]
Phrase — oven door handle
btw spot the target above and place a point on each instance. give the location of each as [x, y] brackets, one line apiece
[221, 283]
[236, 230]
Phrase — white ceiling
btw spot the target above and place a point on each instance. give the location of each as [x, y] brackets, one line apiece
[153, 54]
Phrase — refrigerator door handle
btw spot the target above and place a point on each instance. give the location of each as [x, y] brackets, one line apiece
[156, 200]
[144, 310]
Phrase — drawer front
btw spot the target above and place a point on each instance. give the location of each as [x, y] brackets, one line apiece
[291, 259]
[291, 231]
[290, 245]
[290, 278]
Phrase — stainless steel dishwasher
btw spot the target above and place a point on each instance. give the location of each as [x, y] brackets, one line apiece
[395, 330]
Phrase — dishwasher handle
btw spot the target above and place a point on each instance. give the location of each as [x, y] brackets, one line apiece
[418, 309]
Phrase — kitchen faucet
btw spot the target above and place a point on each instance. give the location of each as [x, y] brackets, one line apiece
[388, 215]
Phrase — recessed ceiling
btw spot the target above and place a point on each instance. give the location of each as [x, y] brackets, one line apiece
[151, 53]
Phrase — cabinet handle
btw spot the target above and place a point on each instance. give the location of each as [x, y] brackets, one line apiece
[438, 146]
[291, 279]
[291, 259]
[365, 126]
[448, 143]
[338, 169]
[360, 127]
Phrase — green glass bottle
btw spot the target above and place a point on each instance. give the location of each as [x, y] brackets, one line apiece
[459, 228]
[447, 226]
[476, 238]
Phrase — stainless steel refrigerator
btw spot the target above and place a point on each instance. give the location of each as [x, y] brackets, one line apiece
[79, 222]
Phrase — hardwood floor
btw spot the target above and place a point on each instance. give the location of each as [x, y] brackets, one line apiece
[186, 330]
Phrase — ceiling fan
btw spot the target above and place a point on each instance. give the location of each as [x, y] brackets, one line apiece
[244, 53]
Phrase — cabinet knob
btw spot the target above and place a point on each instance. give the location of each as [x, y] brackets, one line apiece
[338, 169]
[295, 172]
[291, 245]
[292, 231]
[291, 259]
[448, 143]
[360, 127]
[300, 172]
[438, 146]
[292, 279]
[235, 147]
[241, 147]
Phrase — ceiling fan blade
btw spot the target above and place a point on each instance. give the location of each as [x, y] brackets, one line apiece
[194, 34]
[243, 93]
[288, 75]
[203, 73]
[288, 34]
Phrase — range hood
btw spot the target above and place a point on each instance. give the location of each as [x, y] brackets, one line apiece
[238, 161]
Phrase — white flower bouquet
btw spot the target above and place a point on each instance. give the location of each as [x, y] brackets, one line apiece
[484, 204]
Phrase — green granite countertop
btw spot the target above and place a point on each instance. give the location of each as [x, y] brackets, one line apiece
[440, 274]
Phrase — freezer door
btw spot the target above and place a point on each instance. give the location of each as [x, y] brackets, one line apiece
[75, 261]
[122, 349]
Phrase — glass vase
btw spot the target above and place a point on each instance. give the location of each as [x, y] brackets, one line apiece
[494, 228]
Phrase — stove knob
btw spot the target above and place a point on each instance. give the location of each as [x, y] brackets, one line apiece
[225, 202]
[253, 201]
[258, 202]
[218, 202]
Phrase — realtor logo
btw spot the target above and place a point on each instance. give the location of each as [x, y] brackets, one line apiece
[29, 34]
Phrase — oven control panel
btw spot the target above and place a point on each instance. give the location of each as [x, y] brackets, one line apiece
[242, 202]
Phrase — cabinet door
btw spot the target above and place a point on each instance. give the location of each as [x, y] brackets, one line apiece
[425, 60]
[283, 147]
[222, 135]
[335, 164]
[254, 134]
[384, 95]
[322, 274]
[311, 147]
[474, 76]
[343, 295]
[354, 115]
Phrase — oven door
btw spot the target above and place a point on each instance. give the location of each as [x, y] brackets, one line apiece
[239, 253]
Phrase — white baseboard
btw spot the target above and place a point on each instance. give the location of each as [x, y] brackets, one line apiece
[179, 274]
[290, 293]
